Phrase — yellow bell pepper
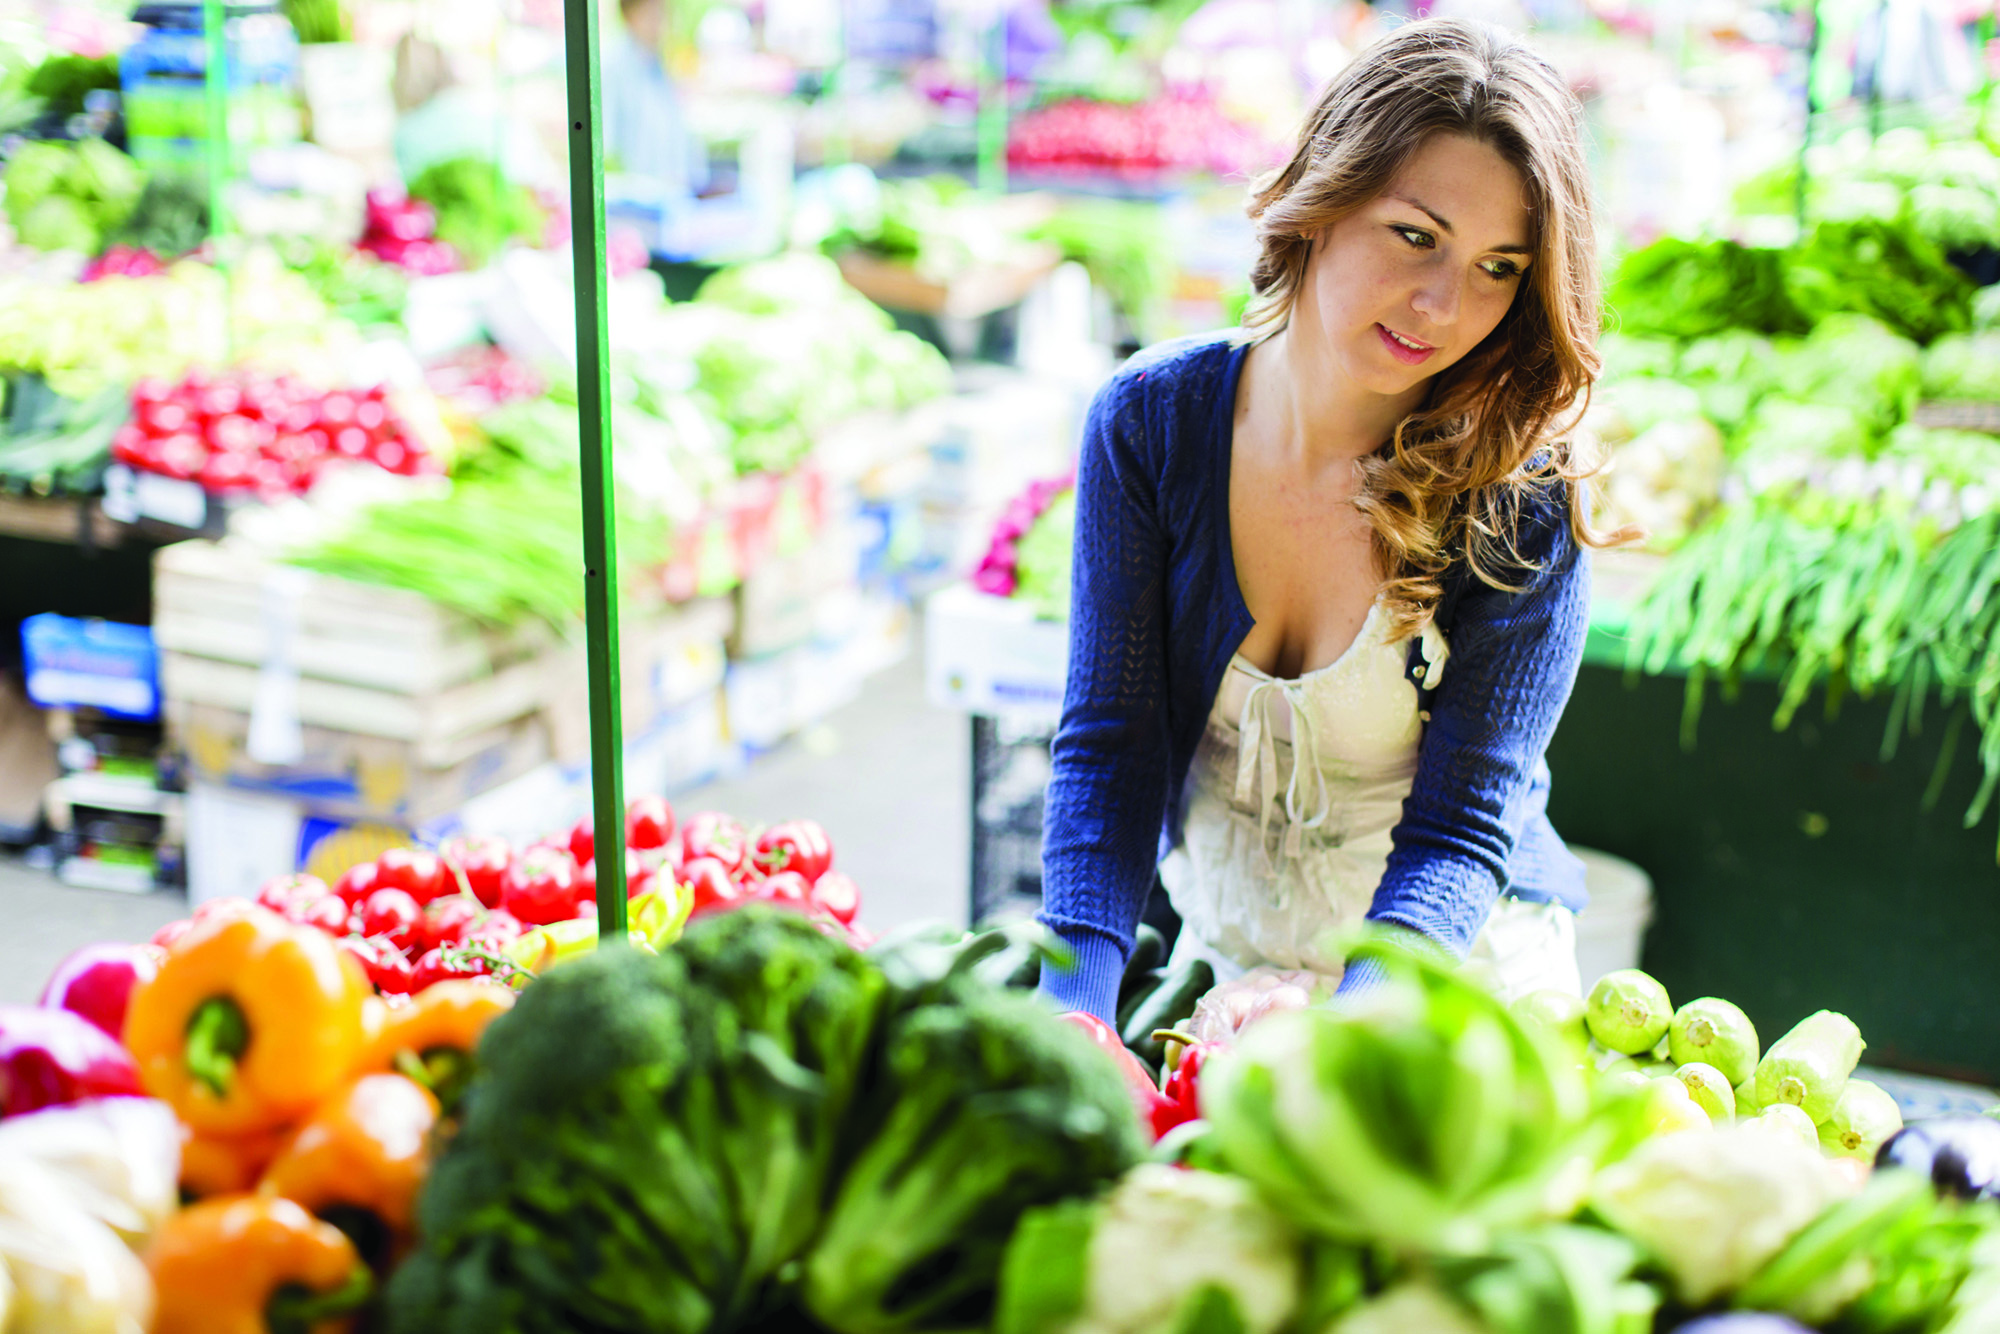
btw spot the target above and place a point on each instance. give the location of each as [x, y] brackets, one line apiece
[250, 1023]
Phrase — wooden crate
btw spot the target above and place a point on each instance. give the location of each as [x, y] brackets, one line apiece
[978, 291]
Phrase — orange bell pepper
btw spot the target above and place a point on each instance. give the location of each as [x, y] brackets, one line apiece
[254, 1264]
[359, 1161]
[432, 1038]
[250, 1023]
[225, 1164]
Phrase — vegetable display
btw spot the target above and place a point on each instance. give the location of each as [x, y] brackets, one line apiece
[1178, 132]
[726, 1132]
[273, 435]
[1029, 553]
[70, 196]
[1818, 534]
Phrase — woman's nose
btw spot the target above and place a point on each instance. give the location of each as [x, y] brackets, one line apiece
[1438, 297]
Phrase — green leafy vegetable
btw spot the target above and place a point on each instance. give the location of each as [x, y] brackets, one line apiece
[478, 210]
[69, 197]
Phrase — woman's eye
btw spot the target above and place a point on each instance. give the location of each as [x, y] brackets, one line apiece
[1502, 270]
[1422, 240]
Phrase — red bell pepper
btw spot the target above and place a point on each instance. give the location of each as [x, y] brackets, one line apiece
[1183, 1090]
[52, 1057]
[1147, 1100]
[97, 982]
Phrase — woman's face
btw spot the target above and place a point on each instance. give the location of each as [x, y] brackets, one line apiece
[1407, 284]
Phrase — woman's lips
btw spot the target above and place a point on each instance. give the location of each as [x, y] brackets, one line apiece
[1409, 356]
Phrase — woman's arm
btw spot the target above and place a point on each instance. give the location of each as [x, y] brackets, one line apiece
[1107, 791]
[1514, 658]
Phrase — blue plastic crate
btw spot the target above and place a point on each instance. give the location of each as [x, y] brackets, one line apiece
[103, 665]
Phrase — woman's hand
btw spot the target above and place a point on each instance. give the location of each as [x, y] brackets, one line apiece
[1233, 1006]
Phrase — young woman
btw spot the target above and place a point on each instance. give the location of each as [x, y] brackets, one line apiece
[1330, 584]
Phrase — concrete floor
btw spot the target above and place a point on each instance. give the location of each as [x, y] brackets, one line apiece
[887, 775]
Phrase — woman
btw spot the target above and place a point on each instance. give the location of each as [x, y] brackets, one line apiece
[1330, 584]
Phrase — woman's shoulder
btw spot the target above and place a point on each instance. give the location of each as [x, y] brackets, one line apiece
[1179, 370]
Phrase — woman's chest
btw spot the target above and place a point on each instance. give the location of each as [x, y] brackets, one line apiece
[1304, 562]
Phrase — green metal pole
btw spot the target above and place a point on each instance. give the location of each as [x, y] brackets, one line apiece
[593, 384]
[215, 89]
[991, 118]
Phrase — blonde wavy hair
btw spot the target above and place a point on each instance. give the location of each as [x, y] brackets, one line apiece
[1492, 427]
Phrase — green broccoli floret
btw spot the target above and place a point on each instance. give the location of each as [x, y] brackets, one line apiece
[649, 1140]
[983, 1105]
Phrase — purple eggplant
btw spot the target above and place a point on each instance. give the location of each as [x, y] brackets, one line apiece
[1960, 1154]
[1743, 1322]
[52, 1057]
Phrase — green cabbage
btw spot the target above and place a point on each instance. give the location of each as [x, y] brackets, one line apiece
[1963, 366]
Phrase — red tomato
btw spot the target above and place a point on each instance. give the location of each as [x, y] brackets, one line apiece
[582, 842]
[482, 860]
[837, 893]
[541, 887]
[787, 889]
[357, 883]
[388, 968]
[393, 915]
[709, 881]
[458, 961]
[495, 929]
[796, 845]
[637, 876]
[649, 823]
[415, 871]
[327, 913]
[447, 920]
[721, 837]
[281, 892]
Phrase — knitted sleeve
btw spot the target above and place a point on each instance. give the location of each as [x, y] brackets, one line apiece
[1110, 759]
[1513, 660]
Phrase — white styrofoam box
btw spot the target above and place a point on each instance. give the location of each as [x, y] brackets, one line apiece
[695, 745]
[1611, 932]
[762, 698]
[990, 655]
[1002, 431]
[237, 840]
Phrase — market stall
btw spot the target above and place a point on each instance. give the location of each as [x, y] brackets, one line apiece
[453, 540]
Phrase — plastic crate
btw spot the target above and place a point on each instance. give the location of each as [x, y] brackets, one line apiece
[73, 663]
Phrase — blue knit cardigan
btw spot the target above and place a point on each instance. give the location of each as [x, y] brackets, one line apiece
[1157, 613]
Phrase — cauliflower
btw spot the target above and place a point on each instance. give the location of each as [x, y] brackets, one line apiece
[1715, 1208]
[1163, 1243]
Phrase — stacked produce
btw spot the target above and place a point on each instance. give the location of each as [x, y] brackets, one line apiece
[1816, 530]
[759, 1129]
[86, 337]
[274, 435]
[295, 1062]
[1175, 132]
[70, 196]
[1429, 1160]
[1029, 554]
[784, 348]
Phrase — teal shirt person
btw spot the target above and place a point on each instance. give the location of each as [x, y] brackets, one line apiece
[646, 132]
[440, 119]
